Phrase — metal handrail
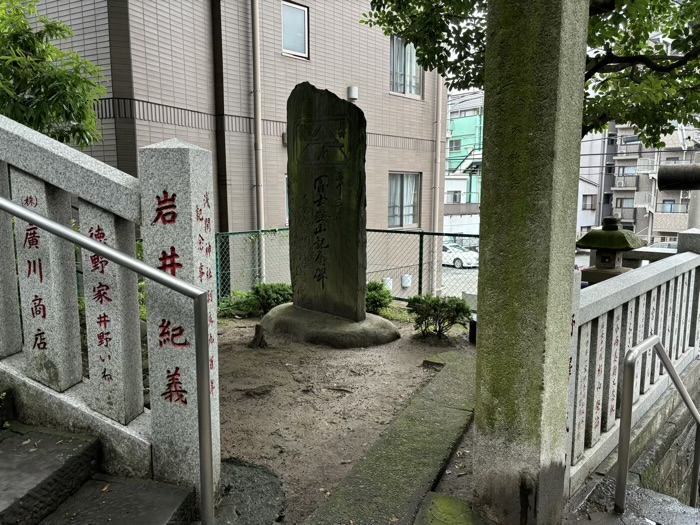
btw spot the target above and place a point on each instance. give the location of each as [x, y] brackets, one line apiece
[206, 470]
[626, 418]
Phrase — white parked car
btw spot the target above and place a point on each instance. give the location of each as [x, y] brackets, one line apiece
[459, 256]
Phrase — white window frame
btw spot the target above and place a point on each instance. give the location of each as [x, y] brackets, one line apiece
[305, 10]
[416, 205]
[392, 81]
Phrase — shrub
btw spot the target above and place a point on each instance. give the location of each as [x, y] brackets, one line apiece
[378, 297]
[437, 315]
[239, 303]
[272, 294]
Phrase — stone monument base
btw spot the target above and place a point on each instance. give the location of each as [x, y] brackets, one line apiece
[323, 329]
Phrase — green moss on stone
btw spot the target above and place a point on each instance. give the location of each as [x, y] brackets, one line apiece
[440, 509]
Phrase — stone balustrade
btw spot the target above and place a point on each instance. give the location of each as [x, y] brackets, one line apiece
[613, 316]
[40, 334]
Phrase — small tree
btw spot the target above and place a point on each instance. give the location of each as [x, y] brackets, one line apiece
[42, 86]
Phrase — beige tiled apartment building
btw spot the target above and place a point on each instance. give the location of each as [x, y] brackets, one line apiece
[183, 68]
[655, 215]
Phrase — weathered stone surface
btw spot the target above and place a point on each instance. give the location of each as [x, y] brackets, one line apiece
[440, 509]
[39, 469]
[112, 318]
[69, 169]
[326, 168]
[392, 479]
[643, 506]
[47, 284]
[533, 84]
[250, 495]
[325, 329]
[125, 502]
[10, 325]
[126, 450]
[178, 234]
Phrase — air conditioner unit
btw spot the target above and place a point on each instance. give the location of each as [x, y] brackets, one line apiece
[617, 215]
[685, 194]
[620, 183]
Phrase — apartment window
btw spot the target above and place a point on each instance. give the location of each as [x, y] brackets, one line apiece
[404, 199]
[454, 114]
[406, 74]
[295, 29]
[667, 206]
[588, 202]
[455, 145]
[453, 197]
[627, 171]
[631, 139]
[624, 203]
[610, 169]
[469, 112]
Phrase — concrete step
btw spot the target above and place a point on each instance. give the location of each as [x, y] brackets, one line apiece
[39, 468]
[108, 500]
[642, 506]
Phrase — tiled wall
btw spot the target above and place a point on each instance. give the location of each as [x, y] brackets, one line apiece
[161, 54]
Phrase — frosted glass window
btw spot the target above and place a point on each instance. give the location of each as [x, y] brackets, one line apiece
[295, 29]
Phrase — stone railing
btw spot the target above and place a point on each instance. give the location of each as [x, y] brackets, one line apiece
[660, 298]
[41, 356]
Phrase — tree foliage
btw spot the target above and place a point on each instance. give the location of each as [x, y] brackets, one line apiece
[42, 86]
[642, 63]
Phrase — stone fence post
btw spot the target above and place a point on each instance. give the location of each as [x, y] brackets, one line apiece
[10, 325]
[112, 318]
[178, 234]
[47, 285]
[689, 241]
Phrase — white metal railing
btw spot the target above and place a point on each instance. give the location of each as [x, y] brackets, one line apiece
[39, 327]
[199, 298]
[628, 384]
[613, 317]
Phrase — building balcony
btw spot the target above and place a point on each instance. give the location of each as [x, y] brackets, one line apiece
[626, 183]
[669, 207]
[625, 214]
[670, 222]
[462, 209]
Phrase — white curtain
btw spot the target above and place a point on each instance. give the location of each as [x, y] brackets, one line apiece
[412, 87]
[398, 58]
[394, 201]
[410, 181]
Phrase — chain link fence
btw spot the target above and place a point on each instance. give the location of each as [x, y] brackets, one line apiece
[409, 263]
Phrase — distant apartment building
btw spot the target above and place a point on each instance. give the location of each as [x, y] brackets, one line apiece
[465, 137]
[464, 168]
[655, 215]
[596, 172]
[183, 69]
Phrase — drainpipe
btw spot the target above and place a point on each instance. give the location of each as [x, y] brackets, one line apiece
[257, 131]
[437, 195]
[601, 180]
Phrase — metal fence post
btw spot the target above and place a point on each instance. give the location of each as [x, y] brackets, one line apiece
[421, 238]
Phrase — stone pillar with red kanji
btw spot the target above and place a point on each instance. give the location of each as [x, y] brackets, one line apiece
[47, 286]
[10, 324]
[178, 234]
[112, 318]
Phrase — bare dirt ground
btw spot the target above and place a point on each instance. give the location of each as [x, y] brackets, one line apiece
[309, 413]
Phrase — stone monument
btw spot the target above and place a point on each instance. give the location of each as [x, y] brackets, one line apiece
[327, 245]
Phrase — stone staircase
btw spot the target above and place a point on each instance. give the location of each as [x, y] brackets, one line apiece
[49, 477]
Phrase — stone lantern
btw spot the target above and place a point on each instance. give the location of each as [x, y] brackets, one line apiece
[609, 243]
